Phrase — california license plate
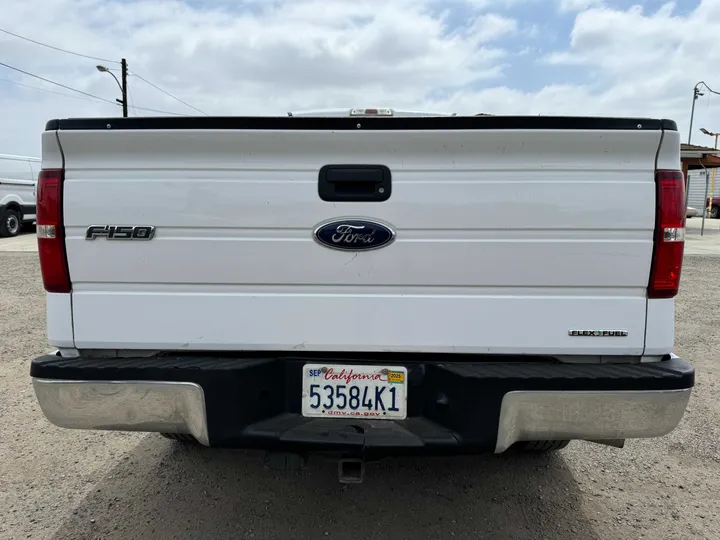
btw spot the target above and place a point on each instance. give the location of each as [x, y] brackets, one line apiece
[371, 392]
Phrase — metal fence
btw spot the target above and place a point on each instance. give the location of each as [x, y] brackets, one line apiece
[699, 185]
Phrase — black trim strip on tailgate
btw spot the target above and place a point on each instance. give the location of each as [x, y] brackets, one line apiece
[365, 123]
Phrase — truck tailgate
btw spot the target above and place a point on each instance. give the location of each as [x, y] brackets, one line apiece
[507, 240]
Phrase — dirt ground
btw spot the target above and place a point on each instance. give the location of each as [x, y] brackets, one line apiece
[72, 484]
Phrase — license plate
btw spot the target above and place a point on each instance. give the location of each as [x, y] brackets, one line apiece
[371, 392]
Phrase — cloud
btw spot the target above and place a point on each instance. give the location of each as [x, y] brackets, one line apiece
[491, 27]
[643, 61]
[272, 56]
[263, 58]
[497, 4]
[578, 5]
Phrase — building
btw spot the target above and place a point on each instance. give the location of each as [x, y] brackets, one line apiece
[698, 163]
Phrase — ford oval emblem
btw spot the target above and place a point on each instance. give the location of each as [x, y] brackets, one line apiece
[354, 234]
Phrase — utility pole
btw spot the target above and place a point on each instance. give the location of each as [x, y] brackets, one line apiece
[123, 86]
[123, 64]
[696, 95]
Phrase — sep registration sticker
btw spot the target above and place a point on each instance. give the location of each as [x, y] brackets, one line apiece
[357, 391]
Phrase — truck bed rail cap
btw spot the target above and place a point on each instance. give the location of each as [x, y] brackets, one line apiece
[365, 123]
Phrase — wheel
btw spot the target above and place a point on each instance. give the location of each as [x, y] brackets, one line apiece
[10, 222]
[715, 212]
[182, 437]
[542, 446]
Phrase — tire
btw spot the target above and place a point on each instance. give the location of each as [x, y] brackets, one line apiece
[10, 223]
[715, 212]
[542, 446]
[181, 437]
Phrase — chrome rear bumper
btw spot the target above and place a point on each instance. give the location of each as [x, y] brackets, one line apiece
[588, 415]
[179, 407]
[165, 407]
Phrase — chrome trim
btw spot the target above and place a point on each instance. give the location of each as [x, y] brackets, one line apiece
[588, 415]
[165, 407]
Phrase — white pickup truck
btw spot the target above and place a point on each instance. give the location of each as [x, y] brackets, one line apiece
[364, 285]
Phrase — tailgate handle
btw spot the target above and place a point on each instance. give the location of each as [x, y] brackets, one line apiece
[354, 183]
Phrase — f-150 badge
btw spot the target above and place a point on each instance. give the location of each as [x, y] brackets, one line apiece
[120, 232]
[354, 234]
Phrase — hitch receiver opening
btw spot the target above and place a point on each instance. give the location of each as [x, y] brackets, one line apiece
[351, 471]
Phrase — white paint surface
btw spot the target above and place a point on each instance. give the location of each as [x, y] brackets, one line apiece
[505, 241]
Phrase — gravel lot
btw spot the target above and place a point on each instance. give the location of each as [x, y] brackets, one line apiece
[73, 484]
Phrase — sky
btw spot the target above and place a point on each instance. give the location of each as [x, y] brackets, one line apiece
[259, 57]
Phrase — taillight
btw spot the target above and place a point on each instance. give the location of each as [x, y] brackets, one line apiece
[669, 234]
[51, 232]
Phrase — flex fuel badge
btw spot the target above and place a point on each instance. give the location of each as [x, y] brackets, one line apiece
[597, 333]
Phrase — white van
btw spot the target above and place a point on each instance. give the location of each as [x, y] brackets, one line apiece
[17, 193]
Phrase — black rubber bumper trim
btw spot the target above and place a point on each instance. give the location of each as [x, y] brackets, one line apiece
[453, 407]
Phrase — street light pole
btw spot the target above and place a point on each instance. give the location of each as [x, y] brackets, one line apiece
[123, 86]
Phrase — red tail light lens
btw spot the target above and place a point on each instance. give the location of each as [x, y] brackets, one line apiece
[669, 235]
[51, 232]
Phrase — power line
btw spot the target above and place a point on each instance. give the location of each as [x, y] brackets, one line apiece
[81, 92]
[48, 91]
[56, 83]
[56, 48]
[101, 60]
[156, 110]
[132, 102]
[168, 93]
